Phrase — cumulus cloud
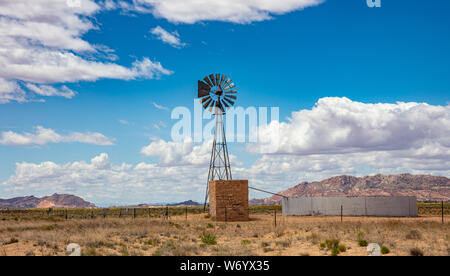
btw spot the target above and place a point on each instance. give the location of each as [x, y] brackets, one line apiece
[236, 11]
[42, 47]
[105, 183]
[43, 136]
[173, 38]
[339, 125]
[185, 153]
[339, 136]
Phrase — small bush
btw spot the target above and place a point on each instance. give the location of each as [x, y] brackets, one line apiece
[414, 235]
[244, 242]
[267, 249]
[209, 238]
[322, 245]
[265, 244]
[385, 250]
[334, 252]
[415, 252]
[11, 241]
[209, 225]
[285, 243]
[342, 248]
[363, 243]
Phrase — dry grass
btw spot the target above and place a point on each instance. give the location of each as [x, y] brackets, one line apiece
[201, 236]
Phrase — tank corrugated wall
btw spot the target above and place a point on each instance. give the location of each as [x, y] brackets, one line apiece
[395, 206]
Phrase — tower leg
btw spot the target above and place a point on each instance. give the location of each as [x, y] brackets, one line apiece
[219, 166]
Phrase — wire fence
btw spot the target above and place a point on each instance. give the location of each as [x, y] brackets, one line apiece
[165, 212]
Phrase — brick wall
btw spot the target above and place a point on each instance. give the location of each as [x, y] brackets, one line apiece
[228, 200]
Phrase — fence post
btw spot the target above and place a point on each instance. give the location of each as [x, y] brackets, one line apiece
[120, 212]
[148, 212]
[341, 213]
[275, 218]
[186, 212]
[167, 212]
[442, 211]
[225, 213]
[66, 215]
[134, 213]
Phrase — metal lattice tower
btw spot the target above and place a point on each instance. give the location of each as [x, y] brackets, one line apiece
[216, 92]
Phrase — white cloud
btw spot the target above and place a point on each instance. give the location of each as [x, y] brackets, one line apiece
[46, 90]
[105, 183]
[237, 11]
[179, 153]
[42, 47]
[340, 136]
[124, 122]
[11, 91]
[160, 107]
[339, 125]
[43, 136]
[173, 39]
[184, 153]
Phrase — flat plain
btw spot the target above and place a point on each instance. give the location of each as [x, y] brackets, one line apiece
[198, 234]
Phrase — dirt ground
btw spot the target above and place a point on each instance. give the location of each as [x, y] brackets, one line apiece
[199, 235]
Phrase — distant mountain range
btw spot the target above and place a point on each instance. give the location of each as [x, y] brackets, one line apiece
[184, 203]
[424, 187]
[53, 201]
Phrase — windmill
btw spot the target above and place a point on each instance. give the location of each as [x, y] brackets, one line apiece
[216, 93]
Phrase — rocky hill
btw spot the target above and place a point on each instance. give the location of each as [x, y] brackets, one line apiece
[424, 187]
[53, 201]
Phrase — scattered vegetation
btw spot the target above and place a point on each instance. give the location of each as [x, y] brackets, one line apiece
[385, 250]
[414, 235]
[209, 238]
[415, 252]
[42, 233]
[244, 242]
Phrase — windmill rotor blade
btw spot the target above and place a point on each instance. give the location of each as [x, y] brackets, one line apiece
[227, 82]
[230, 102]
[217, 79]
[205, 105]
[219, 104]
[223, 79]
[202, 100]
[211, 77]
[206, 79]
[230, 86]
[231, 96]
[234, 91]
[212, 105]
[225, 104]
[203, 89]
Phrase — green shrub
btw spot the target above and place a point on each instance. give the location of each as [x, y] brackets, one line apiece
[334, 252]
[363, 243]
[385, 250]
[244, 242]
[322, 245]
[209, 238]
[209, 225]
[342, 248]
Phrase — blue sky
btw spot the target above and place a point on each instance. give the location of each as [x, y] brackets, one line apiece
[332, 50]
